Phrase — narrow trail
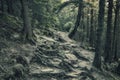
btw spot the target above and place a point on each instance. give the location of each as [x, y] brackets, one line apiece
[68, 60]
[55, 57]
[87, 53]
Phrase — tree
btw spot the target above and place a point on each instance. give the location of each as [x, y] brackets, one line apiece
[27, 23]
[88, 23]
[83, 28]
[98, 49]
[91, 38]
[115, 45]
[2, 6]
[10, 6]
[77, 23]
[108, 43]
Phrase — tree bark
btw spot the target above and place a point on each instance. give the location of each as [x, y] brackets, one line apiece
[108, 44]
[88, 23]
[10, 6]
[99, 47]
[2, 5]
[83, 28]
[27, 34]
[117, 54]
[91, 38]
[80, 8]
[115, 32]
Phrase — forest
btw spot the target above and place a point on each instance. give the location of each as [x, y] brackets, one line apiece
[59, 40]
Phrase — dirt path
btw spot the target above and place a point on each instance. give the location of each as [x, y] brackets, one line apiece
[70, 60]
[53, 58]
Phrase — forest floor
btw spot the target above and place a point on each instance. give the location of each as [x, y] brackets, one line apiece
[54, 57]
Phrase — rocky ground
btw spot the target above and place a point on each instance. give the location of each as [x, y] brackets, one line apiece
[54, 57]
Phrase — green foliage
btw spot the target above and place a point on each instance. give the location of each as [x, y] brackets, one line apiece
[12, 21]
[43, 11]
[63, 5]
[11, 27]
[68, 14]
[68, 26]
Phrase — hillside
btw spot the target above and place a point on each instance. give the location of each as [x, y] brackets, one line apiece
[54, 57]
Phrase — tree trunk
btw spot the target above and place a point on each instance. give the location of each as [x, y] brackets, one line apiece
[80, 8]
[115, 32]
[98, 49]
[117, 54]
[10, 6]
[27, 34]
[83, 28]
[108, 44]
[88, 24]
[91, 39]
[2, 6]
